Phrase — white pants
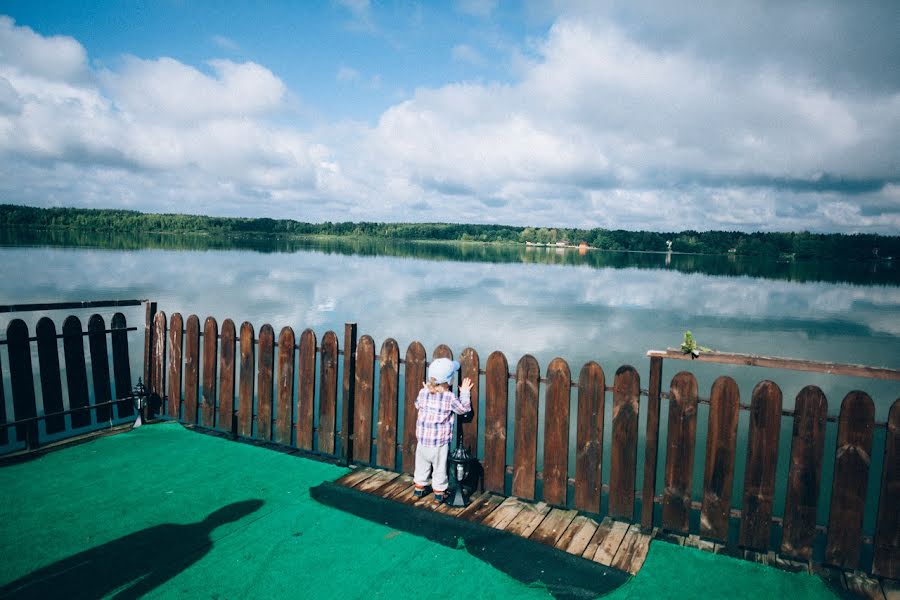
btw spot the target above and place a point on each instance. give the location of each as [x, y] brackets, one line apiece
[431, 463]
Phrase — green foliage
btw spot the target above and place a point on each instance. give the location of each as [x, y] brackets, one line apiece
[690, 345]
[776, 245]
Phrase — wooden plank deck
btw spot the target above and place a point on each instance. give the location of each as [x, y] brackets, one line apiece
[607, 542]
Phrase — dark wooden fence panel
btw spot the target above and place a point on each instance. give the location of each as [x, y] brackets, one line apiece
[51, 382]
[528, 375]
[362, 410]
[807, 446]
[886, 562]
[589, 438]
[306, 389]
[328, 392]
[284, 419]
[469, 367]
[176, 341]
[265, 376]
[556, 432]
[851, 476]
[623, 460]
[651, 448]
[158, 353]
[442, 351]
[496, 404]
[76, 371]
[762, 460]
[100, 367]
[191, 369]
[121, 364]
[246, 387]
[226, 376]
[413, 376]
[718, 474]
[21, 379]
[388, 384]
[210, 352]
[682, 429]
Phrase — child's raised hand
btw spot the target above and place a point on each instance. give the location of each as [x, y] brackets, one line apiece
[466, 385]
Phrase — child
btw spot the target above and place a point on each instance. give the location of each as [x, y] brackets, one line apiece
[436, 404]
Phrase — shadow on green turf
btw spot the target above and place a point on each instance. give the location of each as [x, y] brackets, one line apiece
[563, 575]
[132, 565]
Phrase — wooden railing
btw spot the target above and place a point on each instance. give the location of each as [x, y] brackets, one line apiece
[95, 401]
[285, 400]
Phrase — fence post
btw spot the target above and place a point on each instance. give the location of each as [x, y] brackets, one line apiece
[148, 340]
[348, 393]
[652, 440]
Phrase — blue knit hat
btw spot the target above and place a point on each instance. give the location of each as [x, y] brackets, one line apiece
[442, 370]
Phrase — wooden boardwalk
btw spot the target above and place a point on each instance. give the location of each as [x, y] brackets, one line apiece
[611, 543]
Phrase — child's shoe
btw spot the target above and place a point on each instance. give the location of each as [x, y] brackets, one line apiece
[440, 497]
[421, 491]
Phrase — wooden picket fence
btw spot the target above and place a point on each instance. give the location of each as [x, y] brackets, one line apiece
[91, 402]
[206, 396]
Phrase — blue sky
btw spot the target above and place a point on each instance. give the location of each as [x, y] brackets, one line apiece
[635, 115]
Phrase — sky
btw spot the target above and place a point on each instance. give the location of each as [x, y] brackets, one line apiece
[637, 114]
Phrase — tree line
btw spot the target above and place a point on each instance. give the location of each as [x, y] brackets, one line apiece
[794, 245]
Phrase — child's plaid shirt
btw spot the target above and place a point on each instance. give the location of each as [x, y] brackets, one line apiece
[434, 423]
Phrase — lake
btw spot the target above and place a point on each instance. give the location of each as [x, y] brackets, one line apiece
[603, 306]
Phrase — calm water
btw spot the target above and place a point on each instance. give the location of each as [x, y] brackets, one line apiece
[608, 307]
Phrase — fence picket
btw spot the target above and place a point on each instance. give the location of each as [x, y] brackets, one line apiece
[76, 371]
[158, 357]
[225, 419]
[191, 369]
[4, 431]
[121, 364]
[99, 367]
[413, 376]
[264, 380]
[496, 404]
[886, 562]
[306, 389]
[528, 375]
[850, 482]
[21, 379]
[442, 351]
[284, 418]
[681, 431]
[469, 367]
[51, 383]
[589, 437]
[805, 475]
[328, 392]
[365, 384]
[718, 474]
[388, 382]
[556, 432]
[762, 460]
[623, 462]
[176, 341]
[246, 386]
[210, 352]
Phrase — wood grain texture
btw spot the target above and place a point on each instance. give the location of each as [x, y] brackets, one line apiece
[553, 526]
[365, 390]
[651, 444]
[210, 363]
[556, 432]
[469, 367]
[442, 351]
[623, 463]
[191, 370]
[762, 461]
[850, 482]
[265, 353]
[718, 473]
[388, 407]
[413, 377]
[174, 371]
[886, 561]
[589, 437]
[496, 401]
[247, 379]
[528, 376]
[805, 475]
[51, 382]
[682, 428]
[328, 382]
[157, 385]
[226, 376]
[306, 389]
[284, 397]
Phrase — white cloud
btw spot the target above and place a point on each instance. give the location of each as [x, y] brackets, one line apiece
[477, 8]
[601, 128]
[225, 43]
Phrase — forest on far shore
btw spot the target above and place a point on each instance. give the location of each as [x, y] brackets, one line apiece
[794, 245]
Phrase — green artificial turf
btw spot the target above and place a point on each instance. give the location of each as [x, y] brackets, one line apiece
[163, 512]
